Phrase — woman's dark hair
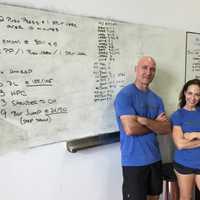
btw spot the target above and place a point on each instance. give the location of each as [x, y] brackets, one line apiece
[182, 100]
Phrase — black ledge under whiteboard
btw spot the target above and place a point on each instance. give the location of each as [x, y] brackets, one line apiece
[89, 142]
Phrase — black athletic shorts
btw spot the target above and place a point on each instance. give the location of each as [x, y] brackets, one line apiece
[185, 170]
[140, 181]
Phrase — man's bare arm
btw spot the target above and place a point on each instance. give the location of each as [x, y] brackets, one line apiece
[131, 126]
[160, 125]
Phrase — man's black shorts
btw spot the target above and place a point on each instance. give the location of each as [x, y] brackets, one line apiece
[140, 181]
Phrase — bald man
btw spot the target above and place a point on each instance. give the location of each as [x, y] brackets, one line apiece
[141, 116]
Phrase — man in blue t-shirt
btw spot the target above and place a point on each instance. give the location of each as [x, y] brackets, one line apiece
[140, 116]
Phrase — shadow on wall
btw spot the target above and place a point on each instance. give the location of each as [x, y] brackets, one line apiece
[167, 86]
[166, 147]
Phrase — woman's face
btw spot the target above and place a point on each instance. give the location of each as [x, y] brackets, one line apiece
[192, 96]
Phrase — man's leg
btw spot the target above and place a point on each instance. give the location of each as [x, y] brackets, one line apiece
[155, 181]
[135, 183]
[153, 197]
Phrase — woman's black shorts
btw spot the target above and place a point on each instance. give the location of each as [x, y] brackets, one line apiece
[185, 170]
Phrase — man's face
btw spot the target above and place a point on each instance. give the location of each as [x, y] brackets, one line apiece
[145, 71]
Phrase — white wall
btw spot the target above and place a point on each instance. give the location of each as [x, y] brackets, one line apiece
[51, 173]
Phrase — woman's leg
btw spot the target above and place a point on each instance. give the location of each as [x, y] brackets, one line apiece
[185, 183]
[197, 180]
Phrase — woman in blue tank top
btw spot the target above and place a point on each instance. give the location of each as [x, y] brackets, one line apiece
[186, 136]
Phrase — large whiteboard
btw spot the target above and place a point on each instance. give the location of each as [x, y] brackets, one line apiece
[59, 74]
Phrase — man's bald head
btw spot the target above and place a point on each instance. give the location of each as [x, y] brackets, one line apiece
[145, 71]
[146, 59]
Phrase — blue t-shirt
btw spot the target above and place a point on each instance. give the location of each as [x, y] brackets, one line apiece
[138, 150]
[189, 121]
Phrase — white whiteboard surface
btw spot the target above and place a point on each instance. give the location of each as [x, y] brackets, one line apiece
[59, 73]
